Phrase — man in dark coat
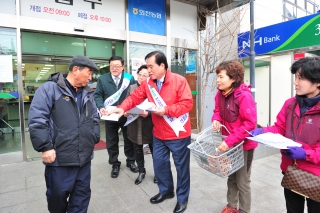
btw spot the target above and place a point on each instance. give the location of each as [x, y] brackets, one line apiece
[63, 125]
[112, 89]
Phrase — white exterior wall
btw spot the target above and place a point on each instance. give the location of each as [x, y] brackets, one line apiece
[183, 20]
[262, 94]
[281, 83]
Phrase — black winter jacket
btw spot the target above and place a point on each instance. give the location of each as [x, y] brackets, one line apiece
[56, 123]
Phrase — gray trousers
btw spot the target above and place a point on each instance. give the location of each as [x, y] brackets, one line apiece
[239, 190]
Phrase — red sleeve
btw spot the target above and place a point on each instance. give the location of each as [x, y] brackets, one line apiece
[184, 103]
[135, 98]
[248, 116]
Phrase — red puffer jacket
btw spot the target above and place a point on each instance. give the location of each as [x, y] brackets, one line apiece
[176, 93]
[305, 130]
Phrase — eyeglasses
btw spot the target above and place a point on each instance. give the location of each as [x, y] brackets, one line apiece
[142, 76]
[115, 66]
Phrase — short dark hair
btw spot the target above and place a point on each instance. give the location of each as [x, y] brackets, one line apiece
[308, 68]
[142, 67]
[234, 69]
[159, 58]
[116, 58]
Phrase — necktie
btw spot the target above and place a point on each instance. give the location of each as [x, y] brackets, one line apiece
[117, 80]
[159, 84]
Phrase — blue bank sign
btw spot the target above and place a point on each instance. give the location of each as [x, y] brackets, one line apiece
[147, 16]
[297, 33]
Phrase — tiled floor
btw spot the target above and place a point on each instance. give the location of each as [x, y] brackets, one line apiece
[22, 188]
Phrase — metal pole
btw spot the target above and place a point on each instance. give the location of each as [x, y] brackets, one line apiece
[252, 53]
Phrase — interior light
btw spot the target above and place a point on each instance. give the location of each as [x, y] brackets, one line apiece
[46, 68]
[49, 65]
[45, 41]
[42, 72]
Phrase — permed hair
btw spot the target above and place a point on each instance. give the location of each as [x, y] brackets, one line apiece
[234, 69]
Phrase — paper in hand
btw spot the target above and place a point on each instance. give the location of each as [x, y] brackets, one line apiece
[111, 117]
[144, 106]
[274, 140]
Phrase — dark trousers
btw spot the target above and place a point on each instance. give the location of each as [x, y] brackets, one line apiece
[295, 203]
[68, 188]
[112, 141]
[139, 155]
[162, 167]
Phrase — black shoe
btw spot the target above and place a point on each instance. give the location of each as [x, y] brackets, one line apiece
[180, 207]
[140, 177]
[155, 180]
[159, 197]
[115, 171]
[133, 167]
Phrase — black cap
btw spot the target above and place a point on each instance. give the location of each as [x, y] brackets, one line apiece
[80, 60]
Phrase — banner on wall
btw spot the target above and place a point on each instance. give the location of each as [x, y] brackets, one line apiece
[191, 61]
[289, 35]
[136, 63]
[147, 16]
[106, 13]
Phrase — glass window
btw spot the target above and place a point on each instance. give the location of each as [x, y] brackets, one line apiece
[310, 7]
[301, 3]
[48, 44]
[10, 138]
[137, 53]
[98, 48]
[292, 1]
[301, 13]
[290, 11]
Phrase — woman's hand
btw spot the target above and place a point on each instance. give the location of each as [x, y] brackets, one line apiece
[215, 125]
[223, 147]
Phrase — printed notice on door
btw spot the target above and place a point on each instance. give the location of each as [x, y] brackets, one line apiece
[6, 71]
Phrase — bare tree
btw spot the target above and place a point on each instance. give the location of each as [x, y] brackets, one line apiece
[218, 43]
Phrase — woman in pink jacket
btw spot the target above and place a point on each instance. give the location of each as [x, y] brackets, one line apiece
[299, 120]
[235, 109]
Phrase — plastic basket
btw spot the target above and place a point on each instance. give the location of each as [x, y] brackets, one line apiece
[222, 164]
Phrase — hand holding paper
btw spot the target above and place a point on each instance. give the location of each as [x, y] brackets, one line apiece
[295, 153]
[109, 115]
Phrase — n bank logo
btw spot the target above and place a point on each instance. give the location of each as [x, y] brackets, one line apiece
[289, 35]
[261, 41]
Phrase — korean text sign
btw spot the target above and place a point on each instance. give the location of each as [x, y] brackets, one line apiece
[147, 16]
[106, 13]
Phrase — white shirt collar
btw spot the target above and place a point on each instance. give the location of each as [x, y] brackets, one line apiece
[114, 77]
[162, 79]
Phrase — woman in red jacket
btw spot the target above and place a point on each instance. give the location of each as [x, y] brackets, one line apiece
[299, 120]
[236, 110]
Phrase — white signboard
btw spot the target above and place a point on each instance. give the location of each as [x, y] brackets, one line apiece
[6, 70]
[8, 6]
[136, 63]
[106, 13]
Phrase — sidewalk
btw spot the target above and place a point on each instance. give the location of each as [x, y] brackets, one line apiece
[22, 188]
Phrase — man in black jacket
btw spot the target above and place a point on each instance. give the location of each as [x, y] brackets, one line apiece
[112, 89]
[63, 125]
